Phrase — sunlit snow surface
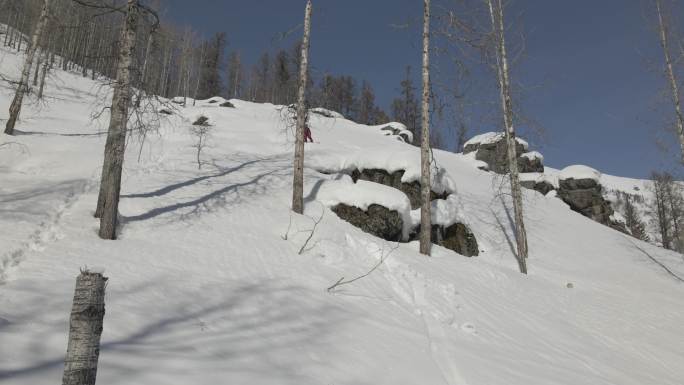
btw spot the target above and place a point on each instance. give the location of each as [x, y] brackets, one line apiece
[203, 287]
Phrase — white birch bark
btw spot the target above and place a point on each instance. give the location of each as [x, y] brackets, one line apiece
[85, 330]
[110, 184]
[22, 87]
[665, 44]
[425, 159]
[497, 16]
[298, 180]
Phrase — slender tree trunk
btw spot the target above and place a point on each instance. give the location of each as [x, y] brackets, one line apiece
[497, 17]
[15, 107]
[143, 74]
[298, 182]
[199, 74]
[664, 42]
[43, 75]
[85, 330]
[110, 184]
[425, 158]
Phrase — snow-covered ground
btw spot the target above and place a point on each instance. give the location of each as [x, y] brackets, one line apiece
[204, 287]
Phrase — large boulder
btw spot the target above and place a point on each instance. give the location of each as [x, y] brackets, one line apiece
[456, 237]
[580, 187]
[412, 189]
[399, 130]
[377, 220]
[531, 162]
[492, 149]
[538, 182]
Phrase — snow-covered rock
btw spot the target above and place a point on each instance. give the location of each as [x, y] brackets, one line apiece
[326, 113]
[579, 172]
[492, 149]
[399, 130]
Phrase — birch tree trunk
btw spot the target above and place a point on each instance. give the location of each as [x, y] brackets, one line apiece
[110, 184]
[298, 182]
[665, 44]
[497, 17]
[142, 88]
[15, 107]
[85, 329]
[425, 159]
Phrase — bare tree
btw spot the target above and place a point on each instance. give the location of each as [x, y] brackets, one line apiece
[425, 152]
[22, 87]
[200, 130]
[665, 44]
[497, 17]
[298, 182]
[110, 184]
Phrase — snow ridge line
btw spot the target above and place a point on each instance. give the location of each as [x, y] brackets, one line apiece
[47, 231]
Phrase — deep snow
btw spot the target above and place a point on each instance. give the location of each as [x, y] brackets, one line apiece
[205, 289]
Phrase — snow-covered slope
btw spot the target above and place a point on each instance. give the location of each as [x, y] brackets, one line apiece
[205, 289]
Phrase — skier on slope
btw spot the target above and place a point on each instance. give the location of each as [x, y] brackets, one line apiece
[307, 134]
[307, 131]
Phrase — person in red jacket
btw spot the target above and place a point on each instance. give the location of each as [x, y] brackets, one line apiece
[307, 134]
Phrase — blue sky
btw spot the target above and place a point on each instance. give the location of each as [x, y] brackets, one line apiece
[590, 69]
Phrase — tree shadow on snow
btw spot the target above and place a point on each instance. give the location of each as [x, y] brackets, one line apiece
[261, 328]
[227, 195]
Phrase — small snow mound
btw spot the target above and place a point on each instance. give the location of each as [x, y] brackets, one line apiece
[397, 129]
[579, 172]
[490, 138]
[539, 177]
[215, 100]
[327, 113]
[532, 155]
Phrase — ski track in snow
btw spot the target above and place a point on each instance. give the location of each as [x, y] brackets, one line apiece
[47, 231]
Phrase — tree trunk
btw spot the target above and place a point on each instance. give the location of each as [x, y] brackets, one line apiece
[85, 329]
[664, 42]
[497, 17]
[110, 184]
[141, 86]
[15, 107]
[43, 75]
[425, 159]
[298, 182]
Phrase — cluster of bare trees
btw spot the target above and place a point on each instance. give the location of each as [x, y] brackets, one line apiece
[667, 210]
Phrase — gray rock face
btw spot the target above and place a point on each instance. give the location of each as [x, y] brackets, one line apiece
[526, 164]
[412, 190]
[496, 156]
[377, 220]
[542, 187]
[456, 237]
[585, 196]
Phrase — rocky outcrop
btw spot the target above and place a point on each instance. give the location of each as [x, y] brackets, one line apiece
[530, 162]
[456, 237]
[541, 186]
[538, 182]
[400, 132]
[377, 220]
[412, 190]
[492, 149]
[584, 194]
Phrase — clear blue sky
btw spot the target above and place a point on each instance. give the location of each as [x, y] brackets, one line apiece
[590, 68]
